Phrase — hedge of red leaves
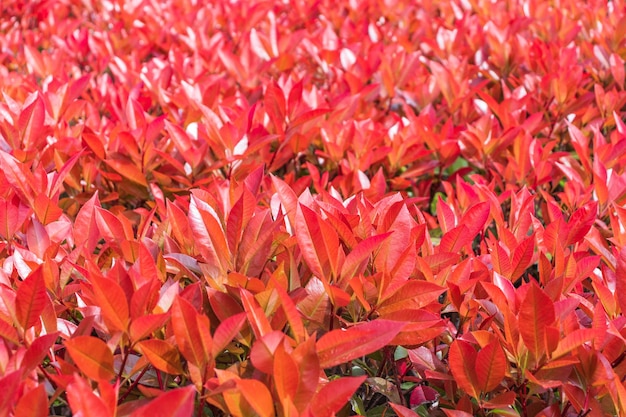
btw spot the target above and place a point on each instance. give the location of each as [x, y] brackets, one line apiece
[312, 208]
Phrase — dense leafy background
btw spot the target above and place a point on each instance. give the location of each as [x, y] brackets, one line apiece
[312, 208]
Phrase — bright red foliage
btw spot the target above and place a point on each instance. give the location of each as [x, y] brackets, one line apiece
[312, 208]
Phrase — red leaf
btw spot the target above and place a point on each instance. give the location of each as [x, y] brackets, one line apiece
[476, 217]
[286, 374]
[226, 332]
[256, 316]
[21, 179]
[411, 295]
[37, 351]
[491, 365]
[83, 401]
[522, 257]
[111, 299]
[34, 403]
[461, 359]
[143, 326]
[85, 226]
[288, 199]
[92, 356]
[9, 382]
[402, 411]
[535, 315]
[192, 331]
[343, 345]
[455, 239]
[318, 243]
[127, 169]
[12, 216]
[162, 355]
[334, 395]
[620, 279]
[31, 300]
[31, 123]
[258, 396]
[174, 403]
[445, 215]
[209, 234]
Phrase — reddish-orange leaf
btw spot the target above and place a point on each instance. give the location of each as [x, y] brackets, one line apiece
[174, 403]
[490, 368]
[402, 411]
[31, 123]
[21, 179]
[208, 233]
[355, 260]
[8, 332]
[461, 359]
[288, 199]
[457, 413]
[12, 215]
[412, 295]
[503, 401]
[258, 396]
[85, 226]
[226, 332]
[31, 299]
[535, 315]
[294, 317]
[620, 280]
[9, 383]
[83, 401]
[111, 299]
[162, 355]
[286, 374]
[45, 209]
[454, 240]
[342, 345]
[334, 395]
[110, 226]
[522, 257]
[318, 243]
[92, 356]
[37, 351]
[476, 217]
[143, 326]
[127, 169]
[192, 331]
[34, 403]
[256, 316]
[445, 215]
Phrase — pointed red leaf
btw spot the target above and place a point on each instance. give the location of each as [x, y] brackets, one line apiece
[334, 395]
[462, 360]
[620, 279]
[174, 403]
[111, 299]
[34, 403]
[476, 217]
[522, 257]
[83, 401]
[31, 123]
[192, 331]
[209, 235]
[343, 345]
[318, 243]
[31, 300]
[490, 368]
[162, 355]
[258, 396]
[535, 315]
[455, 239]
[92, 356]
